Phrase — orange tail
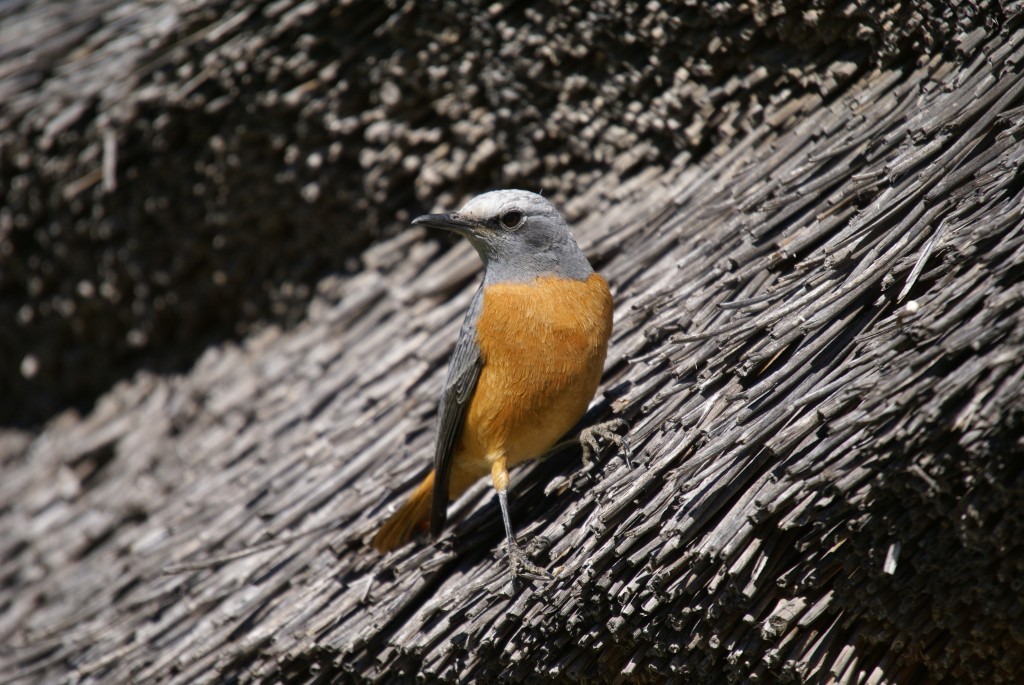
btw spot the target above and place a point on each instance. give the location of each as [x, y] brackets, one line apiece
[412, 516]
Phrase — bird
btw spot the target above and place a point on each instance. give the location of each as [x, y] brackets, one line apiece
[528, 360]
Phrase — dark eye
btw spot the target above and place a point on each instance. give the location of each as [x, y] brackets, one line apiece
[511, 219]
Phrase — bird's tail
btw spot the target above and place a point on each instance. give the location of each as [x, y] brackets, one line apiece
[412, 516]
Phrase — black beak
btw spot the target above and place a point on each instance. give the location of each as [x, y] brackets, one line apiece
[449, 222]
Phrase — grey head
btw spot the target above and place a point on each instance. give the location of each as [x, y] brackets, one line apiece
[518, 234]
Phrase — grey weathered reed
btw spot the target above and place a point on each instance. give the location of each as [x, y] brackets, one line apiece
[826, 482]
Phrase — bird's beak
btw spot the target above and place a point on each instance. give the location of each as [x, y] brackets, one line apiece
[449, 222]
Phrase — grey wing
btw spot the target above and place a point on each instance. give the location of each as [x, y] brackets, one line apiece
[463, 372]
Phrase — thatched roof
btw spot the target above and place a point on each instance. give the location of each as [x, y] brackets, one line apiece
[819, 289]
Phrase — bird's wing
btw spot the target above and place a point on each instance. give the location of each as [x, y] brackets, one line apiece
[463, 372]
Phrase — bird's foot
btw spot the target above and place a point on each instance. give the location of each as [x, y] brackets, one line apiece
[607, 430]
[521, 568]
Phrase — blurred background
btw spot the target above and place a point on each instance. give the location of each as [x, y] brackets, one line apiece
[174, 174]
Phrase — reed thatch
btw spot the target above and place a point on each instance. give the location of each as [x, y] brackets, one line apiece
[811, 218]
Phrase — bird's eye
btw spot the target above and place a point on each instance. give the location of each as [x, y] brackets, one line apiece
[511, 219]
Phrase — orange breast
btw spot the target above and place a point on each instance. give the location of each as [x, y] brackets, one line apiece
[543, 346]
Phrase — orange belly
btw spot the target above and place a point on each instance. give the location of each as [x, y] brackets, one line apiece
[543, 346]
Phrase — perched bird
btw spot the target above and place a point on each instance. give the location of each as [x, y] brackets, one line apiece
[527, 362]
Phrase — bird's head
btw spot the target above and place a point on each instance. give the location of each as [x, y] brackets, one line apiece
[518, 234]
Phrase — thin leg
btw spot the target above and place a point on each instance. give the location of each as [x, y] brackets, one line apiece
[519, 565]
[510, 537]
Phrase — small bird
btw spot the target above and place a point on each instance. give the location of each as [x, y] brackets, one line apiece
[526, 365]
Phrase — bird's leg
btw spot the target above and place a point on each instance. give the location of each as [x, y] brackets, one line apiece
[519, 564]
[607, 430]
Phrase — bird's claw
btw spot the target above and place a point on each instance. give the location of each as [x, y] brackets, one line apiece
[607, 430]
[520, 567]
